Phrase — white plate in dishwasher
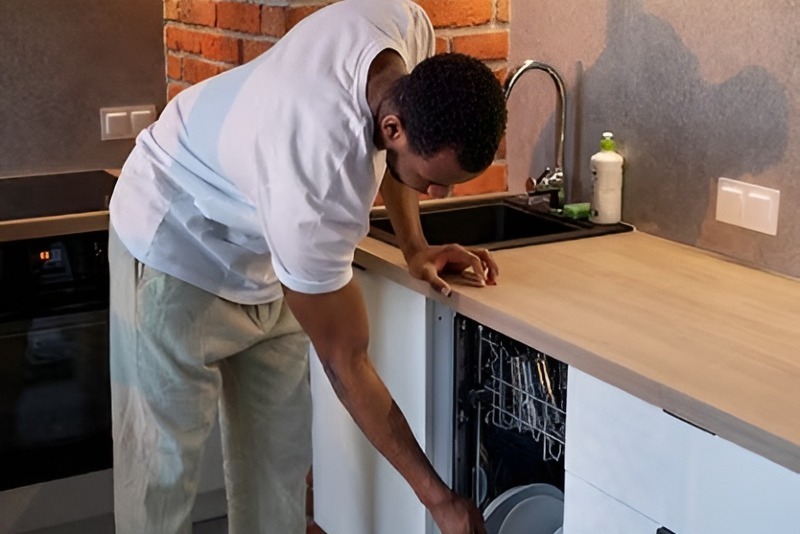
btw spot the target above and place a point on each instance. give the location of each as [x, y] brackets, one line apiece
[495, 514]
[539, 514]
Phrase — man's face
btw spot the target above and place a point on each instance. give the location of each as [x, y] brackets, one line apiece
[434, 176]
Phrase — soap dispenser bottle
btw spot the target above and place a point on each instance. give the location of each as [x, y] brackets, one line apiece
[606, 167]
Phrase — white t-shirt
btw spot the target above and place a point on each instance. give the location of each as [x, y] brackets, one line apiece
[265, 174]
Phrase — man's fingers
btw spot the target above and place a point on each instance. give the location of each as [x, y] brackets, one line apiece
[472, 279]
[488, 266]
[431, 276]
[488, 262]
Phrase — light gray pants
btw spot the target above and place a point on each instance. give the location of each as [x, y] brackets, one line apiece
[178, 352]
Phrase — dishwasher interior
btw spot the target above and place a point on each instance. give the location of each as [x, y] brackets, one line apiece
[510, 419]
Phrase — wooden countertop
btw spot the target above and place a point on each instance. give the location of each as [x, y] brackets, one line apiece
[711, 341]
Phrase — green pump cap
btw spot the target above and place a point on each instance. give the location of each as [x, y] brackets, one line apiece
[607, 143]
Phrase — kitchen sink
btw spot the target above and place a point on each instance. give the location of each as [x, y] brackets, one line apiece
[495, 224]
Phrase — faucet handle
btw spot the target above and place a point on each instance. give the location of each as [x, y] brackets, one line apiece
[551, 183]
[555, 179]
[534, 184]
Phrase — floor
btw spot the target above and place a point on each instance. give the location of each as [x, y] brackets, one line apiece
[105, 525]
[220, 526]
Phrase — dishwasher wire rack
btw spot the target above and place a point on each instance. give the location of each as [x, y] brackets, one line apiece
[525, 390]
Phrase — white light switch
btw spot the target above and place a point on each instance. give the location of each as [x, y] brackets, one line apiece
[116, 125]
[141, 119]
[750, 206]
[730, 202]
[125, 122]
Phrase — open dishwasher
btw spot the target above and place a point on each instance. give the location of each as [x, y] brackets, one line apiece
[509, 427]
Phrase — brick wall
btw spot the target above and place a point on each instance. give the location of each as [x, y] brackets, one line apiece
[204, 38]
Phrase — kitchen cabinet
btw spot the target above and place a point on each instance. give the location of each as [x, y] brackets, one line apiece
[356, 491]
[588, 510]
[676, 474]
[630, 466]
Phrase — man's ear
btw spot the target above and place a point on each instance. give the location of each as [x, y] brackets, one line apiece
[392, 129]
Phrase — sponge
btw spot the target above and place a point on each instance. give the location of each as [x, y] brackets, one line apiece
[580, 210]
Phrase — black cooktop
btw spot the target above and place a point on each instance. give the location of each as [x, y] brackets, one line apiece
[54, 194]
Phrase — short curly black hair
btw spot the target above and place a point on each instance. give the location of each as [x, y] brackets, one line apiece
[452, 101]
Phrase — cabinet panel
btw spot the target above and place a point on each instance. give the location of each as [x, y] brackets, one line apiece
[733, 490]
[587, 510]
[356, 491]
[625, 447]
[680, 476]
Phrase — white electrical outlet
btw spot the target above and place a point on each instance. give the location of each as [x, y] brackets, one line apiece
[750, 206]
[125, 122]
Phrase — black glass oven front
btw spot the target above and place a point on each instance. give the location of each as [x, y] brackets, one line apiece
[55, 417]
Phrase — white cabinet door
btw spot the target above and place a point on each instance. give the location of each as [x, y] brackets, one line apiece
[587, 510]
[356, 491]
[682, 477]
[625, 447]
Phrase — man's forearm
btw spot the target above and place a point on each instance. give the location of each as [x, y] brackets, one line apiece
[402, 205]
[338, 327]
[372, 407]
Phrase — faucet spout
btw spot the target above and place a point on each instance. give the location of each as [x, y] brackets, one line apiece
[554, 177]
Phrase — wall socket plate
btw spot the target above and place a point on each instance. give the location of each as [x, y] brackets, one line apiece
[125, 122]
[750, 206]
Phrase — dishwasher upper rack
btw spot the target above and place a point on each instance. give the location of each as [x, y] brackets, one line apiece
[525, 390]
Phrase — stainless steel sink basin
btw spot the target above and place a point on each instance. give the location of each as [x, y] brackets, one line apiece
[496, 224]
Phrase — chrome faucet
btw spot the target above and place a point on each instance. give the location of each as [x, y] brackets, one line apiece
[551, 181]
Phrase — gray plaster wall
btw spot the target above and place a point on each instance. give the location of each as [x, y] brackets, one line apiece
[60, 62]
[693, 91]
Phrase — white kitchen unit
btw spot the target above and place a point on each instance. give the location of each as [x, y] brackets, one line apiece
[356, 491]
[675, 474]
[588, 510]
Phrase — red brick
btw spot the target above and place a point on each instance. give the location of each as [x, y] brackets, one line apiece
[501, 74]
[493, 180]
[196, 69]
[252, 48]
[217, 47]
[458, 13]
[273, 21]
[484, 45]
[171, 10]
[503, 11]
[298, 13]
[173, 88]
[501, 150]
[183, 39]
[442, 45]
[239, 17]
[198, 12]
[173, 67]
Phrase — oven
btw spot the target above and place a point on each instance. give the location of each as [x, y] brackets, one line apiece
[508, 430]
[55, 400]
[54, 386]
[55, 415]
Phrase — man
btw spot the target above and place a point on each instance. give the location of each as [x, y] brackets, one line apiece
[233, 228]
